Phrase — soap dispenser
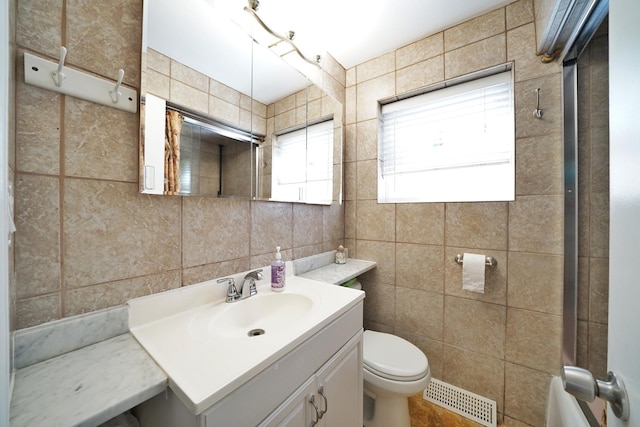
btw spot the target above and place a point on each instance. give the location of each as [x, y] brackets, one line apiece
[277, 272]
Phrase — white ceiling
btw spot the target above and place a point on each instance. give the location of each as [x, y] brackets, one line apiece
[352, 31]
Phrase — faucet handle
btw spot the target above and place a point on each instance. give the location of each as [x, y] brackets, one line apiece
[232, 292]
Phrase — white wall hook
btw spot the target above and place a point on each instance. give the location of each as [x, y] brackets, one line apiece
[115, 94]
[538, 113]
[58, 76]
[39, 72]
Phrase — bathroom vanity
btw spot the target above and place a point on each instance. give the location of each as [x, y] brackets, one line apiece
[304, 367]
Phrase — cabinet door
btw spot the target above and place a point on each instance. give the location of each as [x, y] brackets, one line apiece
[295, 411]
[339, 388]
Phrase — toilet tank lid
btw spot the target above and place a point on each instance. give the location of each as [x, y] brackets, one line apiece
[393, 356]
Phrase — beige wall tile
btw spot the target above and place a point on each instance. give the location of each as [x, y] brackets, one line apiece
[375, 221]
[224, 92]
[599, 225]
[223, 110]
[419, 51]
[350, 113]
[94, 45]
[475, 372]
[420, 223]
[380, 303]
[112, 154]
[37, 128]
[519, 13]
[536, 282]
[350, 180]
[473, 57]
[550, 102]
[271, 226]
[477, 225]
[476, 29]
[207, 220]
[522, 50]
[366, 177]
[37, 217]
[157, 84]
[384, 254]
[598, 337]
[420, 75]
[475, 326]
[332, 226]
[158, 62]
[376, 67]
[202, 273]
[367, 140]
[98, 297]
[189, 76]
[583, 288]
[37, 310]
[350, 143]
[495, 287]
[420, 267]
[599, 160]
[419, 312]
[582, 344]
[46, 16]
[539, 165]
[536, 224]
[525, 394]
[599, 290]
[307, 225]
[350, 220]
[130, 234]
[534, 340]
[370, 92]
[195, 99]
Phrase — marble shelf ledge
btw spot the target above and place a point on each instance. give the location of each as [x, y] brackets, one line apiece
[323, 269]
[81, 371]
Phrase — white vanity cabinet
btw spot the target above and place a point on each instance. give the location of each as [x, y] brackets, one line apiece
[332, 397]
[280, 394]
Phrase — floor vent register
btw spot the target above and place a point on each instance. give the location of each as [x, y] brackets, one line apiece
[462, 402]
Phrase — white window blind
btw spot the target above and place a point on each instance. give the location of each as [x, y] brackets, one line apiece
[304, 161]
[453, 144]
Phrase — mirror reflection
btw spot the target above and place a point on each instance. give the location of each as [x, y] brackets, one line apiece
[263, 112]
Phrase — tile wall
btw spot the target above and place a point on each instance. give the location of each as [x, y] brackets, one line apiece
[593, 193]
[87, 239]
[506, 343]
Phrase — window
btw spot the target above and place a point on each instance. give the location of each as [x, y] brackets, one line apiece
[451, 144]
[303, 160]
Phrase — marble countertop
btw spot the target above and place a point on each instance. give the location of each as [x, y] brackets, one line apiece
[81, 371]
[85, 387]
[339, 273]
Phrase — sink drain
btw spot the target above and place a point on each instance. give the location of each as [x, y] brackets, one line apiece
[255, 332]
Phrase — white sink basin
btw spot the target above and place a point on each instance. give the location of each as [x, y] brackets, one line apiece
[260, 315]
[206, 345]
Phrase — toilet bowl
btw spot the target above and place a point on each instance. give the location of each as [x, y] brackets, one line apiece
[393, 370]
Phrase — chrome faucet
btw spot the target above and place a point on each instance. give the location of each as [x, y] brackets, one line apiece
[234, 294]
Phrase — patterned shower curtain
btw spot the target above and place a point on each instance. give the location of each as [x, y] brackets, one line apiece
[172, 152]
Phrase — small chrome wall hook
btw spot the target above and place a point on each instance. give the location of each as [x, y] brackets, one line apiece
[115, 94]
[58, 76]
[537, 113]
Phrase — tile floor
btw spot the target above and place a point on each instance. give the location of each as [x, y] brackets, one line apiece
[426, 414]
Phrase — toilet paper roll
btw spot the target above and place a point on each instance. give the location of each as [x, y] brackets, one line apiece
[473, 272]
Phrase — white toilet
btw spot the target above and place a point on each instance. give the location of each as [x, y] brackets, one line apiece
[394, 369]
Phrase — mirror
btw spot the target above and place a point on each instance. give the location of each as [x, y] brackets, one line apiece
[236, 110]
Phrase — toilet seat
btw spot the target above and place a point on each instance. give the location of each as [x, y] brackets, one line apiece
[392, 357]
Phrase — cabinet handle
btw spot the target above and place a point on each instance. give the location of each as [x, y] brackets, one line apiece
[326, 403]
[312, 400]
